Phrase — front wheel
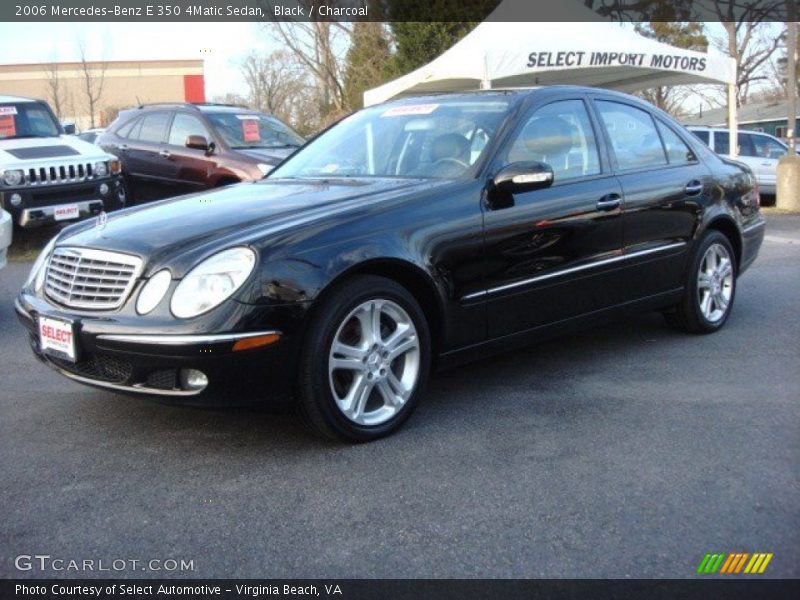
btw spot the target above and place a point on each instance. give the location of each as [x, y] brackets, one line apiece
[365, 360]
[710, 289]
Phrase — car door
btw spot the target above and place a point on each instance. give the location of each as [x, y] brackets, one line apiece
[551, 252]
[766, 154]
[188, 168]
[664, 185]
[144, 153]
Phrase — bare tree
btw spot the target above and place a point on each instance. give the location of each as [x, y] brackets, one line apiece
[274, 83]
[57, 93]
[94, 77]
[320, 48]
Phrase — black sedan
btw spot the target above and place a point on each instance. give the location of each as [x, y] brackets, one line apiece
[420, 232]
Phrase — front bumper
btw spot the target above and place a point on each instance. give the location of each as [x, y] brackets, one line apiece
[151, 364]
[37, 205]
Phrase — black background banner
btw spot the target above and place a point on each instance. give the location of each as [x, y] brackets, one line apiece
[404, 589]
[388, 10]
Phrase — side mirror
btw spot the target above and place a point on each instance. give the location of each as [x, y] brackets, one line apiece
[69, 129]
[521, 177]
[197, 142]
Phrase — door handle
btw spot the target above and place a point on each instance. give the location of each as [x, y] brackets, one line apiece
[609, 202]
[122, 147]
[165, 153]
[693, 188]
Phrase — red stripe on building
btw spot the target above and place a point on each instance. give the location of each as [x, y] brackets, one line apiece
[194, 88]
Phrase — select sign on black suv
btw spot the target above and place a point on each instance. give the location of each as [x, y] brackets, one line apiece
[419, 232]
[171, 149]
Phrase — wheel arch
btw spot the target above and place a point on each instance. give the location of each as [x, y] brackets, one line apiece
[410, 276]
[727, 227]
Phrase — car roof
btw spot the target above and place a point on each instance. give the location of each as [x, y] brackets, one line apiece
[6, 99]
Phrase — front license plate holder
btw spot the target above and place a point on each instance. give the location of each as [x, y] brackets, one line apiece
[57, 338]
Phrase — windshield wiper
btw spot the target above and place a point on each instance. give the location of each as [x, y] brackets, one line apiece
[29, 135]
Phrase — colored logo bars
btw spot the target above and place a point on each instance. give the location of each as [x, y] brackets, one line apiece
[734, 563]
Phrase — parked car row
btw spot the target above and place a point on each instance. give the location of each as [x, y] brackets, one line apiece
[411, 235]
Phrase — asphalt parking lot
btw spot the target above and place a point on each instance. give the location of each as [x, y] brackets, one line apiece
[626, 451]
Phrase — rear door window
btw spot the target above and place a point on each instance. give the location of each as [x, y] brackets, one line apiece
[678, 152]
[633, 135]
[153, 128]
[722, 143]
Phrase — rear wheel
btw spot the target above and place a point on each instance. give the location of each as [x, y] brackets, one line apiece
[365, 360]
[710, 289]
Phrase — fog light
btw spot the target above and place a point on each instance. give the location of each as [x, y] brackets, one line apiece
[193, 380]
[103, 189]
[15, 199]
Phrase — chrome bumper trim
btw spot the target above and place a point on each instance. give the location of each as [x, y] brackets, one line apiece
[599, 263]
[183, 340]
[754, 226]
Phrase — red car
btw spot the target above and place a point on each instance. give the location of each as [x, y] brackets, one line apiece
[172, 149]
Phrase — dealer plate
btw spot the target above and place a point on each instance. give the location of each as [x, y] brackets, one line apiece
[56, 338]
[66, 212]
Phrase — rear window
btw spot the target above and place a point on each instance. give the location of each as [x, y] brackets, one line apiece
[153, 128]
[702, 136]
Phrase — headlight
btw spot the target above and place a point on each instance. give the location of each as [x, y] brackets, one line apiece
[212, 282]
[153, 291]
[100, 169]
[37, 270]
[13, 177]
[264, 168]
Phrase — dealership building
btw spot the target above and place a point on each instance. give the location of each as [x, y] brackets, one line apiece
[115, 84]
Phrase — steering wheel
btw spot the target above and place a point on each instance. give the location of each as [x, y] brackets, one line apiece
[447, 159]
[448, 167]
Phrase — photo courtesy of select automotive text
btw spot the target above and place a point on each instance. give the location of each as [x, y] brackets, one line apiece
[399, 299]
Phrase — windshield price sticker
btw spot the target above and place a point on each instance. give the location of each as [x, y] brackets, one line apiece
[250, 130]
[7, 127]
[8, 110]
[414, 109]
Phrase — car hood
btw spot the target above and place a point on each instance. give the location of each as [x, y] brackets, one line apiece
[23, 151]
[179, 231]
[270, 156]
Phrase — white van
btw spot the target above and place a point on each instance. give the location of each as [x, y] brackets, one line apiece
[759, 151]
[6, 229]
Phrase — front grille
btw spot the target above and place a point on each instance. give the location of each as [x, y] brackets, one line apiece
[89, 278]
[162, 380]
[98, 367]
[51, 174]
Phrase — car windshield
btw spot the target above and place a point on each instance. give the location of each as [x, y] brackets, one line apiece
[253, 130]
[434, 138]
[26, 119]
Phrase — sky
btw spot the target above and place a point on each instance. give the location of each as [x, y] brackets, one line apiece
[222, 46]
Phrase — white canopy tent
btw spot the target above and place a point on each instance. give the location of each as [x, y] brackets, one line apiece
[503, 52]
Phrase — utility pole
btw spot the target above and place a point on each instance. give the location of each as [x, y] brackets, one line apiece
[788, 195]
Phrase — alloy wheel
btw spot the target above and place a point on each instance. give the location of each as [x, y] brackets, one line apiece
[374, 362]
[715, 283]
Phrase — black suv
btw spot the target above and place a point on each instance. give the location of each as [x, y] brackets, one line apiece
[170, 149]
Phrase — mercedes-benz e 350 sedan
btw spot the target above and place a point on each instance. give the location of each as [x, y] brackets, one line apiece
[420, 232]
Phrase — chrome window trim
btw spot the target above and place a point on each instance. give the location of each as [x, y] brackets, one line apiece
[599, 263]
[183, 340]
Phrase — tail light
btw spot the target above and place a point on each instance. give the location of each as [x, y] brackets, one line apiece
[116, 167]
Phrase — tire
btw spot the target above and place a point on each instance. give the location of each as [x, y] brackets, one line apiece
[367, 387]
[706, 306]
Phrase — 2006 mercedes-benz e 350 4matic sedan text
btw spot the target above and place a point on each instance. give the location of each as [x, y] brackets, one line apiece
[418, 232]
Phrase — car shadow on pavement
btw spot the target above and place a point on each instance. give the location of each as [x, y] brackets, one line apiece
[528, 379]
